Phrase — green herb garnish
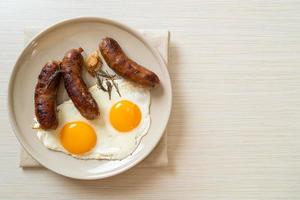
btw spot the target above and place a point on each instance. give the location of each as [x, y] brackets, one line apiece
[109, 79]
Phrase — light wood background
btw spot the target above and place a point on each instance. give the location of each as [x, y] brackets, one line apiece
[234, 131]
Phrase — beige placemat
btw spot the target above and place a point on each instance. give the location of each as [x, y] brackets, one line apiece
[159, 39]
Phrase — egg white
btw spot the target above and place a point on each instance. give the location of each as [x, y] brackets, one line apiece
[111, 144]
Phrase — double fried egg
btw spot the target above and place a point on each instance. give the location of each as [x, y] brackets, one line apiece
[114, 135]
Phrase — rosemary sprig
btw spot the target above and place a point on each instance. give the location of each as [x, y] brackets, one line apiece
[105, 74]
[109, 79]
[100, 83]
[109, 88]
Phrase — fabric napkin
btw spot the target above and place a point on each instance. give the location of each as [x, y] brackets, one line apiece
[159, 39]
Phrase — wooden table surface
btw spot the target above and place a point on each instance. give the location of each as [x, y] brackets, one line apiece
[234, 131]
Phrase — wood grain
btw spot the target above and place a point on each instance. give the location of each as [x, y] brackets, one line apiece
[233, 132]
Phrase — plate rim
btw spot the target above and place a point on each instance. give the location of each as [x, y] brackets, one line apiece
[13, 73]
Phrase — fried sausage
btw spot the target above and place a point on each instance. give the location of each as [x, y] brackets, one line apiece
[124, 66]
[45, 95]
[75, 86]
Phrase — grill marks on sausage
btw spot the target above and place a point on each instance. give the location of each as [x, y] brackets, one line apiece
[76, 87]
[45, 95]
[124, 66]
[49, 78]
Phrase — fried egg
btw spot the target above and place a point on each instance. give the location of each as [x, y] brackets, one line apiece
[114, 135]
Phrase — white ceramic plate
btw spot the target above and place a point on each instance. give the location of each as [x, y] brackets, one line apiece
[51, 44]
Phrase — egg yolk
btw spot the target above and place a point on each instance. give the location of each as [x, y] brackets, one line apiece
[78, 137]
[125, 116]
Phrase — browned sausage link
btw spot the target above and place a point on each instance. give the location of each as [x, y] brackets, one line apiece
[45, 95]
[124, 66]
[75, 86]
